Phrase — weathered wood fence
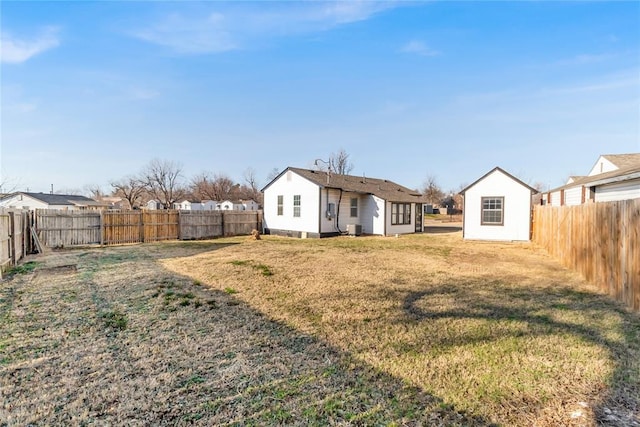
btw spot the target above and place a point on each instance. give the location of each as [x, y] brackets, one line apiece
[58, 228]
[15, 237]
[601, 241]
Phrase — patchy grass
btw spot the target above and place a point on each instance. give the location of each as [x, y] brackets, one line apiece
[25, 268]
[419, 330]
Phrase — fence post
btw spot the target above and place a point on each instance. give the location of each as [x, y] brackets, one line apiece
[101, 227]
[12, 237]
[224, 231]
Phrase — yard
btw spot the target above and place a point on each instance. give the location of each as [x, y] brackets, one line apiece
[417, 330]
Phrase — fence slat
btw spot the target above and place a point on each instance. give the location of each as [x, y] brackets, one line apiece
[601, 241]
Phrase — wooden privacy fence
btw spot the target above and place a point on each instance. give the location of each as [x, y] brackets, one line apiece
[601, 241]
[15, 237]
[58, 228]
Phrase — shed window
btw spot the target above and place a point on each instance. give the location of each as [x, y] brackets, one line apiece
[296, 205]
[280, 205]
[492, 211]
[400, 213]
[354, 207]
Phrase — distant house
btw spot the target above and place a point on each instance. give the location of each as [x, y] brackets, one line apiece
[246, 205]
[613, 177]
[189, 205]
[153, 205]
[225, 205]
[209, 205]
[311, 203]
[497, 207]
[32, 201]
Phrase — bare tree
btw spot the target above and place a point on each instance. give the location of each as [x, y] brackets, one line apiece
[218, 187]
[163, 180]
[130, 188]
[251, 181]
[432, 191]
[339, 163]
[7, 186]
[273, 174]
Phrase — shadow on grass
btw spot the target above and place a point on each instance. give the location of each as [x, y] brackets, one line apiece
[543, 311]
[218, 362]
[441, 229]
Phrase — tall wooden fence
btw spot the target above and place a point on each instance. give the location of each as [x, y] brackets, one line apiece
[57, 228]
[601, 241]
[15, 237]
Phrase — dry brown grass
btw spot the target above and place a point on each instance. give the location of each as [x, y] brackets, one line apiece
[348, 331]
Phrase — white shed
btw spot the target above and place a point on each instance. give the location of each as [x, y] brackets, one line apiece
[497, 207]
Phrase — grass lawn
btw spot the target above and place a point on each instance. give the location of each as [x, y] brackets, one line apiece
[416, 330]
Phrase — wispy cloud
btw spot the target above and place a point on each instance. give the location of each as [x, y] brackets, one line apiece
[142, 94]
[418, 48]
[15, 51]
[230, 27]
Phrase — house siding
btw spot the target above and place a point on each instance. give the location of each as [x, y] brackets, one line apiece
[573, 196]
[373, 214]
[400, 229]
[516, 214]
[602, 166]
[618, 191]
[288, 185]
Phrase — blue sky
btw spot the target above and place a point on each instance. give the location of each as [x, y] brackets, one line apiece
[92, 91]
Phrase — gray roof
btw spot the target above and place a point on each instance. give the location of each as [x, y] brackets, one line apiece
[62, 199]
[382, 188]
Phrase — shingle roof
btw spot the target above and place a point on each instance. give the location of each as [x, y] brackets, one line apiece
[63, 199]
[382, 188]
[623, 161]
[628, 164]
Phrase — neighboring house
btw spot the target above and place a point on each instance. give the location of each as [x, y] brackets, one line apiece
[226, 205]
[209, 205]
[246, 205]
[303, 202]
[32, 201]
[189, 205]
[153, 205]
[613, 177]
[497, 207]
[115, 203]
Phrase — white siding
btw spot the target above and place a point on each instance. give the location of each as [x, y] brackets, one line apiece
[517, 209]
[573, 196]
[288, 185]
[342, 213]
[373, 215]
[618, 191]
[400, 229]
[21, 201]
[556, 198]
[602, 165]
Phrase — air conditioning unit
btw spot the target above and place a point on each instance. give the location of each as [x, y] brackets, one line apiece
[354, 229]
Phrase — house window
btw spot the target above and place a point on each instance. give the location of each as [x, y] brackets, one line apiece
[354, 207]
[280, 205]
[492, 211]
[296, 205]
[400, 213]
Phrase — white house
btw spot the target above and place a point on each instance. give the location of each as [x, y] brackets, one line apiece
[247, 205]
[188, 205]
[153, 205]
[613, 177]
[225, 205]
[303, 202]
[497, 207]
[32, 201]
[209, 205]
